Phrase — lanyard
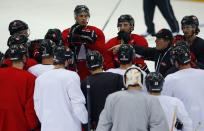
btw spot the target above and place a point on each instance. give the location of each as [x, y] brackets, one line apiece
[159, 61]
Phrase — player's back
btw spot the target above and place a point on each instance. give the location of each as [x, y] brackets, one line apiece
[173, 109]
[187, 85]
[16, 94]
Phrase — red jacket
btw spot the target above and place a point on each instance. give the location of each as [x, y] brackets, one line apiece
[16, 100]
[99, 45]
[134, 40]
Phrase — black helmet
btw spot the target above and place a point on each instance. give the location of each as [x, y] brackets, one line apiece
[17, 39]
[190, 20]
[126, 18]
[46, 47]
[125, 53]
[181, 54]
[60, 55]
[81, 8]
[154, 82]
[34, 50]
[94, 60]
[16, 26]
[15, 52]
[54, 35]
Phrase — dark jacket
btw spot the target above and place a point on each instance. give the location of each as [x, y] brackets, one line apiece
[101, 85]
[161, 58]
[197, 48]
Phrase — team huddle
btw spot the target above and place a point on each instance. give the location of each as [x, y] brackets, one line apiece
[74, 80]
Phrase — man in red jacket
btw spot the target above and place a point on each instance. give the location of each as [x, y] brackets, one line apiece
[81, 38]
[16, 96]
[126, 26]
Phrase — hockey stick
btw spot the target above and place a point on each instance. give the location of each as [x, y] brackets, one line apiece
[107, 21]
[174, 118]
[88, 103]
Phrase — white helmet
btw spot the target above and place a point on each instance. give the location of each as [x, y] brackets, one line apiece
[133, 76]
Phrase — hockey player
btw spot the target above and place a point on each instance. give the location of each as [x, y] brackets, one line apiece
[190, 28]
[174, 109]
[19, 27]
[46, 52]
[58, 99]
[187, 85]
[82, 37]
[132, 109]
[125, 36]
[101, 85]
[16, 96]
[125, 57]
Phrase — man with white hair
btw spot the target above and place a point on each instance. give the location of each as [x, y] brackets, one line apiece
[133, 110]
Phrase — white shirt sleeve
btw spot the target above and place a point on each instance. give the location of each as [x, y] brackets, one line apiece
[77, 99]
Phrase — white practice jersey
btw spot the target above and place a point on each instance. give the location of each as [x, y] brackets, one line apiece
[188, 86]
[40, 69]
[132, 110]
[174, 107]
[59, 102]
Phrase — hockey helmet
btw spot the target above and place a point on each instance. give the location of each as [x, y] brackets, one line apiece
[16, 53]
[94, 60]
[81, 8]
[54, 35]
[126, 18]
[133, 76]
[17, 26]
[17, 39]
[46, 47]
[181, 54]
[59, 55]
[154, 82]
[190, 20]
[125, 53]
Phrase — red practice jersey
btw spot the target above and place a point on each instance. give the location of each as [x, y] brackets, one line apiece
[134, 40]
[98, 45]
[16, 100]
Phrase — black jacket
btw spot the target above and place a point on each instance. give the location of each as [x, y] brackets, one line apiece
[101, 85]
[197, 48]
[161, 58]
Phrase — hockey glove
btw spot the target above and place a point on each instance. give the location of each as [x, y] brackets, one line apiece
[178, 124]
[124, 36]
[88, 36]
[75, 31]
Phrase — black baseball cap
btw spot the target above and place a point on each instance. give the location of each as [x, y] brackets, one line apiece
[164, 33]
